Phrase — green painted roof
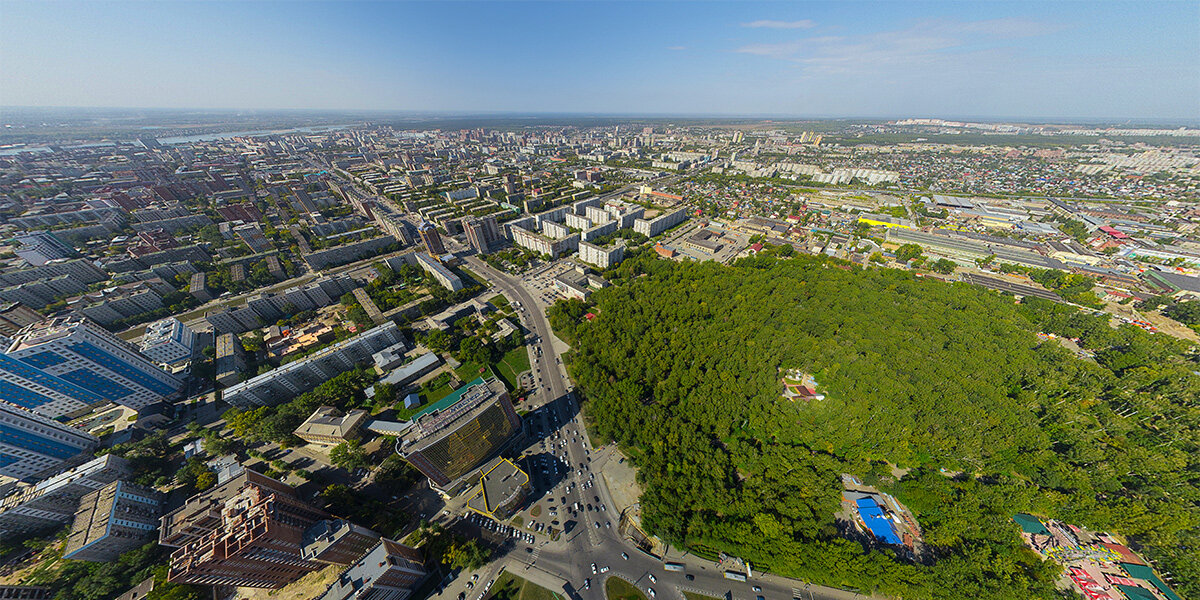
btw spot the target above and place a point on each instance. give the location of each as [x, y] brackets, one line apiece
[1143, 572]
[1030, 524]
[446, 402]
[1136, 593]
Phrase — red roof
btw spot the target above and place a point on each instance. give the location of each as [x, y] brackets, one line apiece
[756, 247]
[1113, 232]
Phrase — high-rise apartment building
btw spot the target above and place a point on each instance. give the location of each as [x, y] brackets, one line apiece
[53, 501]
[337, 541]
[113, 520]
[389, 571]
[247, 532]
[31, 444]
[431, 238]
[41, 247]
[483, 234]
[168, 341]
[63, 364]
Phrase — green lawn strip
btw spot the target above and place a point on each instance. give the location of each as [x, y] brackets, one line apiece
[616, 588]
[511, 587]
[512, 365]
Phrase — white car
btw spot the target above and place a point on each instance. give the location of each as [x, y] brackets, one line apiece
[650, 591]
[593, 568]
[653, 579]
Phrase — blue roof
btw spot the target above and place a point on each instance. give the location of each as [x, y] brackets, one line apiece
[879, 525]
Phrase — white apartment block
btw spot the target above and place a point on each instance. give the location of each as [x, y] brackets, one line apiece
[600, 256]
[660, 223]
[168, 341]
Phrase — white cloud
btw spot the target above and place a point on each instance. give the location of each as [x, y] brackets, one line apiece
[923, 45]
[769, 24]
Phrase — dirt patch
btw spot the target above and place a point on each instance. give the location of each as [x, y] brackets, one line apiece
[621, 478]
[309, 586]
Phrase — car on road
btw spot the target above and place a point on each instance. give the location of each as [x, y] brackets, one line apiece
[593, 568]
[653, 579]
[756, 588]
[650, 591]
[689, 577]
[603, 569]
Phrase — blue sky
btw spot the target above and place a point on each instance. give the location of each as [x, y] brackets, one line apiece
[952, 59]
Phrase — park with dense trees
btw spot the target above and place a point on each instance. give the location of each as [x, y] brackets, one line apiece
[939, 393]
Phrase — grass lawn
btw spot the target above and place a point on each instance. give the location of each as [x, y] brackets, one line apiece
[469, 372]
[511, 587]
[499, 301]
[616, 588]
[432, 396]
[513, 363]
[479, 280]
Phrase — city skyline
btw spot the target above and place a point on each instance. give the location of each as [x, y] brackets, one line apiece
[1114, 61]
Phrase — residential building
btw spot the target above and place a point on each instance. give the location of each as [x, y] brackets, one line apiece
[79, 269]
[297, 377]
[659, 224]
[198, 287]
[329, 427]
[431, 238]
[451, 438]
[43, 291]
[389, 571]
[483, 234]
[63, 364]
[41, 247]
[444, 276]
[248, 533]
[230, 359]
[245, 211]
[168, 341]
[600, 256]
[112, 520]
[340, 255]
[543, 244]
[252, 235]
[15, 316]
[53, 500]
[31, 444]
[337, 541]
